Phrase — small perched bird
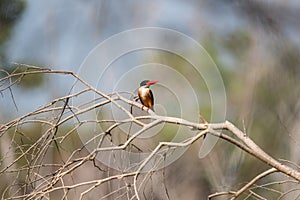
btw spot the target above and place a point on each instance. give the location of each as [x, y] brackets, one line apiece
[145, 94]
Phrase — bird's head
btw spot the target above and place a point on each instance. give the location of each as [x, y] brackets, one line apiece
[147, 83]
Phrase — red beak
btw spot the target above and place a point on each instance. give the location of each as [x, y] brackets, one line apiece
[152, 82]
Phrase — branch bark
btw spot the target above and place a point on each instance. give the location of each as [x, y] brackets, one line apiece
[37, 150]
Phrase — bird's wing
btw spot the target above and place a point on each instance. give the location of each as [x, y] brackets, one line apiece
[152, 98]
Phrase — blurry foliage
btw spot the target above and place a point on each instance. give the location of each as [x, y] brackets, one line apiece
[28, 81]
[72, 141]
[237, 43]
[289, 59]
[262, 80]
[31, 80]
[10, 11]
[279, 85]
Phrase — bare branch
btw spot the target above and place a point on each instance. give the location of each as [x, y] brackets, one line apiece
[34, 169]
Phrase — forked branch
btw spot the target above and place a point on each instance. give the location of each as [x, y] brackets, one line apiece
[39, 176]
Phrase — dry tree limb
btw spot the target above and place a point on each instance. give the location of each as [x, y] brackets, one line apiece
[40, 184]
[246, 187]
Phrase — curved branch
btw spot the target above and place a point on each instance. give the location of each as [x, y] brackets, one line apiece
[34, 154]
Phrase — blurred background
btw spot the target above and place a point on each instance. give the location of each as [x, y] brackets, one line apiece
[255, 44]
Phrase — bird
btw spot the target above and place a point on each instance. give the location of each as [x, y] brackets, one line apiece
[145, 94]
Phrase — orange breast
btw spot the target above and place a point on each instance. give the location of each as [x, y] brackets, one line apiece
[146, 99]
